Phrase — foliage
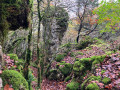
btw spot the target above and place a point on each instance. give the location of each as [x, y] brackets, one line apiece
[108, 14]
[92, 86]
[15, 79]
[72, 86]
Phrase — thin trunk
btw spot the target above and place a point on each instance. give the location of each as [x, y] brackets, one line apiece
[29, 51]
[38, 47]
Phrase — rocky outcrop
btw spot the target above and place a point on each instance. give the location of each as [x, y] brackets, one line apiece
[54, 26]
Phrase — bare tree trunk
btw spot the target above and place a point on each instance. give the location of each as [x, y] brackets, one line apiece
[38, 47]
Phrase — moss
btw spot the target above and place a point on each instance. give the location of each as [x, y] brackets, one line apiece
[59, 57]
[66, 69]
[15, 79]
[13, 56]
[78, 68]
[92, 86]
[67, 78]
[72, 86]
[80, 53]
[91, 78]
[84, 43]
[13, 15]
[106, 80]
[103, 71]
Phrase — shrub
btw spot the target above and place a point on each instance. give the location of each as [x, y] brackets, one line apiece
[59, 57]
[84, 43]
[106, 80]
[72, 86]
[92, 86]
[15, 79]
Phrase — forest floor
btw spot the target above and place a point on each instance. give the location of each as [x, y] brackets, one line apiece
[111, 65]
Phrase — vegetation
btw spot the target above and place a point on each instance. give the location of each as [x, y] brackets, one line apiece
[68, 45]
[15, 79]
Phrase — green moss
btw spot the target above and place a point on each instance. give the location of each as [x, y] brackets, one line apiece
[59, 57]
[84, 43]
[106, 80]
[91, 78]
[103, 71]
[13, 15]
[92, 86]
[13, 56]
[67, 78]
[72, 86]
[14, 78]
[80, 53]
[66, 69]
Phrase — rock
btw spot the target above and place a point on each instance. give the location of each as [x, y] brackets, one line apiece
[54, 27]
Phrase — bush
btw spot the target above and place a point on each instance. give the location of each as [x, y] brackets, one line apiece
[106, 80]
[92, 86]
[59, 57]
[72, 86]
[84, 43]
[15, 79]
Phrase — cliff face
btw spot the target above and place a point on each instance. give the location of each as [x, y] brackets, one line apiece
[13, 15]
[54, 26]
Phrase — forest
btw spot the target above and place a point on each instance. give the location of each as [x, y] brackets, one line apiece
[59, 44]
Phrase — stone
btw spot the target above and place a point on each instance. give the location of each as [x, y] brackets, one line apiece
[54, 28]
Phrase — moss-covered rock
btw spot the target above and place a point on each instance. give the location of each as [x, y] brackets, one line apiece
[92, 86]
[13, 15]
[106, 80]
[13, 56]
[55, 74]
[72, 86]
[82, 65]
[66, 69]
[59, 57]
[88, 80]
[15, 79]
[67, 78]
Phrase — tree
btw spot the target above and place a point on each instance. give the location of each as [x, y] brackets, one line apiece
[108, 15]
[86, 6]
